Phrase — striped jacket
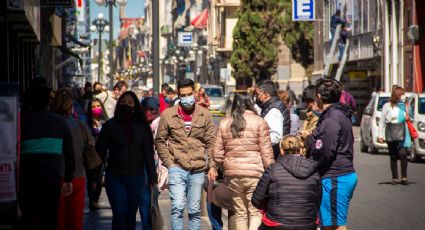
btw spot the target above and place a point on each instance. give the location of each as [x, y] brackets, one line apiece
[47, 145]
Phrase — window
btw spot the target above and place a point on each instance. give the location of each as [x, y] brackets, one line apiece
[382, 101]
[421, 105]
[326, 21]
[374, 16]
[214, 92]
[365, 16]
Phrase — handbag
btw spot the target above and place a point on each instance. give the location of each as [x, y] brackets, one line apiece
[219, 194]
[91, 158]
[395, 132]
[412, 131]
[156, 217]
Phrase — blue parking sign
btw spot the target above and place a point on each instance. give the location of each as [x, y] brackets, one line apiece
[303, 10]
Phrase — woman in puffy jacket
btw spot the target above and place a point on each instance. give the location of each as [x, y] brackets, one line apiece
[243, 150]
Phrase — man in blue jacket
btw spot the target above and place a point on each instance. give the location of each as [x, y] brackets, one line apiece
[331, 145]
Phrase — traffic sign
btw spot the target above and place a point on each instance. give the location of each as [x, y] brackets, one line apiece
[185, 39]
[303, 10]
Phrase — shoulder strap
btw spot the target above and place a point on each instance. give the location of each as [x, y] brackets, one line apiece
[107, 96]
[86, 137]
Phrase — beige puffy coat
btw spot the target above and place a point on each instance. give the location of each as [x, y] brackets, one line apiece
[248, 155]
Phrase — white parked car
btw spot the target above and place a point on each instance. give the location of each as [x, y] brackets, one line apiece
[419, 122]
[370, 122]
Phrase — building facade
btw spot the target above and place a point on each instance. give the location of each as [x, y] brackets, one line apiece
[383, 50]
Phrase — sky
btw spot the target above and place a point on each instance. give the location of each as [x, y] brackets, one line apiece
[133, 9]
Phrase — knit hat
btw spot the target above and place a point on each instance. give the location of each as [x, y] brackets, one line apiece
[150, 102]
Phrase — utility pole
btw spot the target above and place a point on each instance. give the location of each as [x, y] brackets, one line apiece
[155, 45]
[99, 58]
[100, 25]
[111, 46]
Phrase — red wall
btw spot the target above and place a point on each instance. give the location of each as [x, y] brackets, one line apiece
[420, 5]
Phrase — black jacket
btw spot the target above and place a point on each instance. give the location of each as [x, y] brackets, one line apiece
[276, 103]
[331, 143]
[290, 192]
[127, 157]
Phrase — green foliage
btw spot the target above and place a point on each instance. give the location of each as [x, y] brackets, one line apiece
[298, 36]
[256, 39]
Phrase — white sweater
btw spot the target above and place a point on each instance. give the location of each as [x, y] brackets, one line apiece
[390, 114]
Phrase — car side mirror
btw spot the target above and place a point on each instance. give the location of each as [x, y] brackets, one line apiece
[367, 111]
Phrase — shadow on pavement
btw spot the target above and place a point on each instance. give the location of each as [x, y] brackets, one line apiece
[391, 183]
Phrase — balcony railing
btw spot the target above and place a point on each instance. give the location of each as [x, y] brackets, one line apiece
[361, 47]
[224, 3]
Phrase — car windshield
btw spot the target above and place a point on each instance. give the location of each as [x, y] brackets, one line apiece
[214, 92]
[382, 101]
[421, 106]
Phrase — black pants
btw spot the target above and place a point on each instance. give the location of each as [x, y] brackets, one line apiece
[94, 184]
[39, 200]
[397, 152]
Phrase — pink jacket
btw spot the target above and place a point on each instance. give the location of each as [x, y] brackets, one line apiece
[245, 156]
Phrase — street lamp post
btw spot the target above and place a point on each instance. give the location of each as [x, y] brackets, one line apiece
[100, 25]
[111, 4]
[194, 51]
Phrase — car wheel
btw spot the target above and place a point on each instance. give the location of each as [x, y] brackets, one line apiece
[373, 150]
[363, 147]
[413, 156]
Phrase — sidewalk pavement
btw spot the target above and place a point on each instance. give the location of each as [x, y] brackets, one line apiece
[102, 219]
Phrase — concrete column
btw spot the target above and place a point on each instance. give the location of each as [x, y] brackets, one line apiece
[394, 44]
[401, 31]
[386, 52]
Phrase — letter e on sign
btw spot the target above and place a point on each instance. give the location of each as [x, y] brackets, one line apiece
[303, 10]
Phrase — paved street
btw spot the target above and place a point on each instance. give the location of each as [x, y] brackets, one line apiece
[376, 204]
[379, 205]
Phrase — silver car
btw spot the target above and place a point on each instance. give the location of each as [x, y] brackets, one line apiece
[419, 122]
[217, 99]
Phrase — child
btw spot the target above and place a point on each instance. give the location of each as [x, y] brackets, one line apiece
[289, 190]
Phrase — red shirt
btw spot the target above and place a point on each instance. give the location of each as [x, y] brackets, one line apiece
[162, 104]
[268, 222]
[187, 118]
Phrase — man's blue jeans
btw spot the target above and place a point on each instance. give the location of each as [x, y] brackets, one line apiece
[341, 47]
[185, 187]
[124, 194]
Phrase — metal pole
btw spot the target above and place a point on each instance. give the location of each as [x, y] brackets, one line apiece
[195, 69]
[100, 67]
[111, 45]
[155, 45]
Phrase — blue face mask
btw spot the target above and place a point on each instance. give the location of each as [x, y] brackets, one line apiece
[167, 100]
[317, 113]
[187, 101]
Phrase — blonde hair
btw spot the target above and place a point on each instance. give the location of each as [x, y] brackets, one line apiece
[290, 144]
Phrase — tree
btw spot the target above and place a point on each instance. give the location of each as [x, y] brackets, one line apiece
[256, 40]
[298, 36]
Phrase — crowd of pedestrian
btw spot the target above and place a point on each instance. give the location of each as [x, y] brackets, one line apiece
[271, 173]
